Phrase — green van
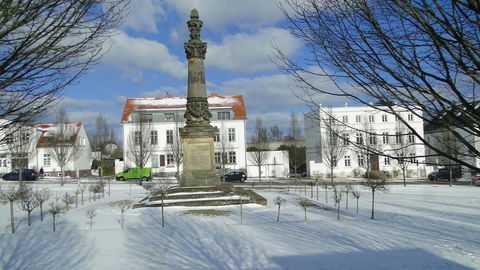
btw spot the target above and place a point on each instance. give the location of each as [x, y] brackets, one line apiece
[134, 173]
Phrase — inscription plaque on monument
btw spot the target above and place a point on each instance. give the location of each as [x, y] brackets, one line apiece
[197, 135]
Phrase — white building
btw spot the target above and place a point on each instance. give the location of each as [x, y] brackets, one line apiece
[165, 116]
[33, 142]
[366, 126]
[276, 165]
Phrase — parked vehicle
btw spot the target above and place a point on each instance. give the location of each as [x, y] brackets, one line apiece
[444, 174]
[134, 173]
[27, 174]
[235, 176]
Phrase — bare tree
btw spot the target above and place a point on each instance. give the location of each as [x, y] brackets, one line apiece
[10, 195]
[333, 144]
[337, 197]
[175, 146]
[96, 189]
[279, 201]
[55, 209]
[304, 203]
[42, 196]
[356, 194]
[46, 46]
[20, 144]
[259, 149]
[162, 188]
[292, 140]
[275, 134]
[123, 206]
[347, 189]
[61, 144]
[403, 149]
[82, 190]
[67, 200]
[102, 140]
[375, 182]
[139, 144]
[325, 187]
[420, 55]
[28, 202]
[91, 213]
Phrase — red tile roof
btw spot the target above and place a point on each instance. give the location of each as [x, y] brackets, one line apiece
[46, 130]
[169, 102]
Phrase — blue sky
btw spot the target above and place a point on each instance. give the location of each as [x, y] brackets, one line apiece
[147, 59]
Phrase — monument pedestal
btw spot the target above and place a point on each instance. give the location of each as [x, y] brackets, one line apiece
[198, 162]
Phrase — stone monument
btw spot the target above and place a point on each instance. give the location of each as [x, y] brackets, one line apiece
[198, 134]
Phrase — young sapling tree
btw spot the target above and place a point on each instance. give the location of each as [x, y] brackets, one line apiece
[279, 201]
[325, 186]
[123, 206]
[42, 196]
[67, 200]
[55, 209]
[28, 202]
[91, 213]
[10, 195]
[375, 182]
[82, 190]
[337, 196]
[304, 203]
[356, 194]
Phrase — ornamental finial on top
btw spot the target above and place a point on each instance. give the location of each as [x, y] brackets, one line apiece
[195, 48]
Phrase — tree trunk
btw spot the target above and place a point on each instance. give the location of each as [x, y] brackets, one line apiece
[338, 210]
[259, 173]
[326, 194]
[346, 200]
[12, 217]
[278, 215]
[29, 217]
[331, 173]
[357, 206]
[163, 217]
[41, 212]
[373, 204]
[61, 176]
[305, 212]
[53, 222]
[20, 175]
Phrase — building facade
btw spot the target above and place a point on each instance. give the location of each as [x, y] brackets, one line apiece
[162, 117]
[33, 146]
[354, 133]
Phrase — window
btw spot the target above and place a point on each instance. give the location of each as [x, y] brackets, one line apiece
[25, 137]
[371, 118]
[9, 138]
[138, 137]
[4, 163]
[232, 157]
[231, 134]
[358, 118]
[410, 117]
[346, 139]
[345, 119]
[384, 118]
[170, 117]
[372, 139]
[411, 138]
[154, 161]
[347, 161]
[218, 157]
[170, 160]
[359, 138]
[412, 158]
[361, 160]
[223, 115]
[46, 159]
[216, 138]
[154, 137]
[146, 117]
[398, 137]
[385, 138]
[169, 136]
[386, 161]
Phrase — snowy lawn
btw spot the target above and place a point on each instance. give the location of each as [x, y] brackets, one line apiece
[417, 227]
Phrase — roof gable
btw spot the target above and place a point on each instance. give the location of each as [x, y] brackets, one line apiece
[170, 102]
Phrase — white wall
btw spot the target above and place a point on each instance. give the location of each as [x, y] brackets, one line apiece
[277, 165]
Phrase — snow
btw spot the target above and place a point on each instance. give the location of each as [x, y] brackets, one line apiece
[181, 101]
[415, 227]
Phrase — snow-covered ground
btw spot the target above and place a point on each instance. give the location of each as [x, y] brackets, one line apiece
[416, 227]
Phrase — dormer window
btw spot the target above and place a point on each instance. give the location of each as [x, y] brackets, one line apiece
[223, 115]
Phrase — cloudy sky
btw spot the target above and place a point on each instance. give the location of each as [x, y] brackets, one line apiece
[147, 59]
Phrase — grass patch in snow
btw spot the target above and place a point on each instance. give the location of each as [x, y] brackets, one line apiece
[205, 212]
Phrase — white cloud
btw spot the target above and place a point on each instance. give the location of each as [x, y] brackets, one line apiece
[141, 53]
[69, 102]
[174, 91]
[143, 15]
[251, 52]
[219, 14]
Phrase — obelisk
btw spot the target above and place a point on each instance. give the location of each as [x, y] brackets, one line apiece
[198, 134]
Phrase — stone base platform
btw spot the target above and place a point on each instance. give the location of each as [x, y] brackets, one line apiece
[223, 194]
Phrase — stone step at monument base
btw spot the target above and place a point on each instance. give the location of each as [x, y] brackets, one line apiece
[223, 194]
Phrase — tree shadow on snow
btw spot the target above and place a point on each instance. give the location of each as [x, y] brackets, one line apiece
[63, 249]
[192, 243]
[411, 259]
